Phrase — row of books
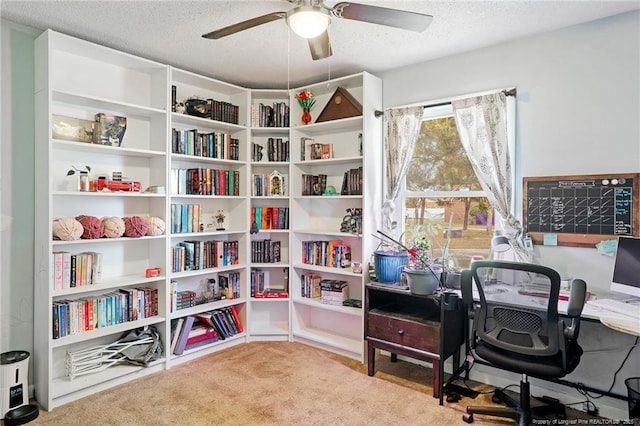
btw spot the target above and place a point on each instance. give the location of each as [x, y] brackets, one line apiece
[277, 150]
[265, 251]
[205, 328]
[204, 181]
[270, 217]
[274, 115]
[86, 314]
[310, 285]
[314, 184]
[352, 182]
[332, 254]
[261, 287]
[266, 184]
[186, 218]
[312, 150]
[211, 145]
[76, 270]
[195, 255]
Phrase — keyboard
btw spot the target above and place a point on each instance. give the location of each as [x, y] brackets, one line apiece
[617, 306]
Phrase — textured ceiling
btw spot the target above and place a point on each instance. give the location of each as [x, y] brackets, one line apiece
[269, 56]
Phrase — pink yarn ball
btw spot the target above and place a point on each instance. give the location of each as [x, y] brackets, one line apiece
[67, 229]
[113, 226]
[135, 226]
[156, 226]
[93, 227]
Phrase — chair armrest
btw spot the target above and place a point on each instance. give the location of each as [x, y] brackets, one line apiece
[577, 295]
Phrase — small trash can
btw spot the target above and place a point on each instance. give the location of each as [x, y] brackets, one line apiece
[633, 391]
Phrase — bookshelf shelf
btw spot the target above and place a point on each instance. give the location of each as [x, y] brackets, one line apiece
[109, 283]
[65, 387]
[351, 347]
[83, 100]
[206, 307]
[107, 194]
[315, 303]
[106, 331]
[120, 240]
[105, 149]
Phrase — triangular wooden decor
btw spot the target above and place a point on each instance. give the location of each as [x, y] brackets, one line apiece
[341, 105]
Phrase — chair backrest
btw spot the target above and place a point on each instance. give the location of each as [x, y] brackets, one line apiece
[515, 306]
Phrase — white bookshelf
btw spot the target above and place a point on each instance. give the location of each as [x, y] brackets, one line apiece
[78, 79]
[318, 217]
[215, 194]
[269, 151]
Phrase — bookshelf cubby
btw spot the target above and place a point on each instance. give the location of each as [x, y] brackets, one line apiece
[189, 162]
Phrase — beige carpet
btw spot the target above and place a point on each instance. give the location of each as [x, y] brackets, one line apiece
[271, 383]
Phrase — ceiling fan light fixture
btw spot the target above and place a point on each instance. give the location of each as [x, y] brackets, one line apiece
[308, 21]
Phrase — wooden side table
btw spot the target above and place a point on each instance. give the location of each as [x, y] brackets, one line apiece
[427, 328]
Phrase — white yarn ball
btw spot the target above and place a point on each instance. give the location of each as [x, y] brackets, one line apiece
[67, 228]
[113, 226]
[156, 226]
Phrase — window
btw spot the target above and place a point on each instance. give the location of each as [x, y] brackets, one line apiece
[441, 192]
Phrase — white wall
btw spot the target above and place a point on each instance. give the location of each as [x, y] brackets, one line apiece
[578, 112]
[16, 188]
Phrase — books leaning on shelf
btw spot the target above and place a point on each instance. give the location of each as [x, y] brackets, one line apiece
[352, 182]
[274, 115]
[205, 181]
[119, 306]
[332, 254]
[314, 184]
[210, 145]
[277, 150]
[270, 217]
[310, 285]
[312, 150]
[193, 255]
[76, 270]
[265, 251]
[205, 328]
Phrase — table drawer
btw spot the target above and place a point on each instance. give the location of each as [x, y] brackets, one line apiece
[424, 336]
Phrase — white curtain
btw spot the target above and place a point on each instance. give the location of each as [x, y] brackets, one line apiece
[402, 127]
[482, 124]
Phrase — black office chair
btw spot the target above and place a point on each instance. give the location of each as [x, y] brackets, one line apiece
[515, 327]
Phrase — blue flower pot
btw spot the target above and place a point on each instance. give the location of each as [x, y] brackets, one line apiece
[388, 265]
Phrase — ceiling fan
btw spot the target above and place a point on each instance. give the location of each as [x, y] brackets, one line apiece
[310, 19]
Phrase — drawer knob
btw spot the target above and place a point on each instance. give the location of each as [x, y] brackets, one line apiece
[401, 331]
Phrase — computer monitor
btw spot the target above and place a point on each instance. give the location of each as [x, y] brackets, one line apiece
[626, 269]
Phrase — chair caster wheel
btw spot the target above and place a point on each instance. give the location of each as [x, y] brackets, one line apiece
[468, 418]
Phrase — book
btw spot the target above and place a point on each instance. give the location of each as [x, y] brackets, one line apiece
[175, 333]
[232, 321]
[184, 335]
[236, 317]
[222, 330]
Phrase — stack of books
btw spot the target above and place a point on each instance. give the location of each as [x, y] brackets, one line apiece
[333, 292]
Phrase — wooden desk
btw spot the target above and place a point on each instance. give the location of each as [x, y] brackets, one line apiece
[428, 328]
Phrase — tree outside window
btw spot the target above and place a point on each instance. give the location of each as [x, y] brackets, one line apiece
[441, 190]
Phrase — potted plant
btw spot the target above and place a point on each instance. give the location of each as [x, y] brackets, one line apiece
[422, 272]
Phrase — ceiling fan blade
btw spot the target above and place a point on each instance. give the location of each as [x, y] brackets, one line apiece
[320, 46]
[245, 25]
[383, 16]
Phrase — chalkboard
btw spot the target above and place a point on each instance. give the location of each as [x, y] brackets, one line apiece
[581, 210]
